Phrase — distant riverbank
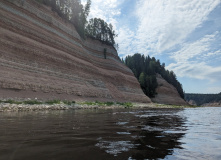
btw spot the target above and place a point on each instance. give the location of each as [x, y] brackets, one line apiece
[6, 106]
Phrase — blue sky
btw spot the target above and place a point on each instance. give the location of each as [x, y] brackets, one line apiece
[184, 34]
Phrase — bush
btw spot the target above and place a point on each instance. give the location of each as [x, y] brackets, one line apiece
[53, 102]
[109, 103]
[16, 102]
[9, 101]
[119, 103]
[32, 102]
[68, 102]
[89, 103]
[128, 104]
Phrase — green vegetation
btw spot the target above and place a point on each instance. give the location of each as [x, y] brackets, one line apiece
[200, 99]
[72, 11]
[128, 104]
[93, 104]
[125, 104]
[98, 103]
[145, 70]
[10, 101]
[68, 102]
[100, 30]
[109, 103]
[75, 13]
[33, 102]
[51, 102]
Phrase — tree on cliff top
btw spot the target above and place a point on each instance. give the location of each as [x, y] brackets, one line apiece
[100, 30]
[71, 10]
[76, 13]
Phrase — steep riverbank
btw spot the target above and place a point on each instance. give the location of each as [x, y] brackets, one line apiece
[167, 93]
[42, 56]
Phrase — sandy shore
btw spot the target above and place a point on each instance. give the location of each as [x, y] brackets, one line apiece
[7, 107]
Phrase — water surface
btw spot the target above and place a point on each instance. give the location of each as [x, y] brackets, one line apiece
[111, 134]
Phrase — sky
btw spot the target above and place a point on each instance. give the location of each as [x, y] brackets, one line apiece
[183, 34]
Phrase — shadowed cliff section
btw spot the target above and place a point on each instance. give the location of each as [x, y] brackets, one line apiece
[42, 56]
[167, 93]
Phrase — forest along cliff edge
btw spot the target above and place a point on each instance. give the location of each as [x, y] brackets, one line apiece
[42, 56]
[167, 93]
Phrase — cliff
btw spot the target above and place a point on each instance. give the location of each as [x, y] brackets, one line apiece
[42, 56]
[167, 93]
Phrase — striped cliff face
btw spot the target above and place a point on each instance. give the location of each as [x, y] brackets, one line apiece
[167, 93]
[42, 56]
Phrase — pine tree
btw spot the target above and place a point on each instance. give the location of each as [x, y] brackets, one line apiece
[145, 70]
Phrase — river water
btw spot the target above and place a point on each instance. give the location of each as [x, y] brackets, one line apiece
[123, 134]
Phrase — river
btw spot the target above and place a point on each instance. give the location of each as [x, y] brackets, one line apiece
[124, 134]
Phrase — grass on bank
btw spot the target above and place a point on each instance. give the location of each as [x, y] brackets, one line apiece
[125, 104]
[33, 102]
[51, 102]
[96, 103]
[174, 106]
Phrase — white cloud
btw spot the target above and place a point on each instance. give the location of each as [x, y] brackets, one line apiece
[164, 24]
[216, 53]
[196, 49]
[106, 10]
[125, 39]
[159, 27]
[196, 70]
[161, 24]
[188, 60]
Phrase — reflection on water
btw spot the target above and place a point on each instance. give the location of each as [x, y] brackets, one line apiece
[155, 142]
[146, 131]
[102, 134]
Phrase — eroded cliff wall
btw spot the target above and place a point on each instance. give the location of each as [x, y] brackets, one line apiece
[167, 93]
[42, 56]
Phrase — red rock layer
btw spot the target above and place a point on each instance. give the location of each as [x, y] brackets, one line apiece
[42, 56]
[167, 93]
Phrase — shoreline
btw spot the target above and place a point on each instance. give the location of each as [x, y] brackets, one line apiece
[7, 107]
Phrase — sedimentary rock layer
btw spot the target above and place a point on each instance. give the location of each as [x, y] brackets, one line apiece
[42, 56]
[167, 93]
